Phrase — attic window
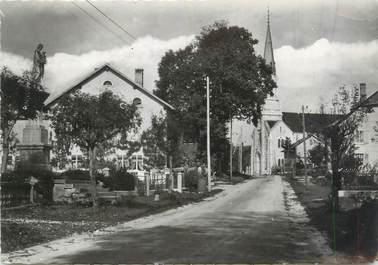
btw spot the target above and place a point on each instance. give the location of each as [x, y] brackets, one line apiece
[137, 101]
[107, 83]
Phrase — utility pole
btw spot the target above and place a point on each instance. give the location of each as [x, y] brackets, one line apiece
[230, 147]
[208, 134]
[304, 146]
[1, 97]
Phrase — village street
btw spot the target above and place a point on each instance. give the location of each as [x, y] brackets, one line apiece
[256, 221]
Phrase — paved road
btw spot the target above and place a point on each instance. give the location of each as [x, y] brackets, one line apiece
[259, 221]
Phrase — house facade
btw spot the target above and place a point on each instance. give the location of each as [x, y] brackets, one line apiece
[130, 90]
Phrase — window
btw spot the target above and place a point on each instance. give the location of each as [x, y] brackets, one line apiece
[279, 143]
[359, 136]
[107, 83]
[137, 101]
[360, 156]
[366, 158]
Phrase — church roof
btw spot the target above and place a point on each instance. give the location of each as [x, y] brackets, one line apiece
[107, 68]
[268, 50]
[314, 122]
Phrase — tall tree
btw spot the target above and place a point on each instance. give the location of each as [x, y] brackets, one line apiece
[240, 82]
[21, 97]
[93, 122]
[340, 136]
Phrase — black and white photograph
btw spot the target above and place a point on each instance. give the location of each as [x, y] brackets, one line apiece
[189, 132]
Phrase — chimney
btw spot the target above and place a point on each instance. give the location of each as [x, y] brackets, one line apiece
[139, 76]
[362, 92]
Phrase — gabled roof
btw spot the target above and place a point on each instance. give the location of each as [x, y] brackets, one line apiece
[314, 122]
[271, 123]
[107, 68]
[370, 102]
[300, 141]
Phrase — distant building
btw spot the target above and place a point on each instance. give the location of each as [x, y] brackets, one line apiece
[366, 139]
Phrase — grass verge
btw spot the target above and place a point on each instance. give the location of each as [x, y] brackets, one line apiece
[355, 230]
[22, 228]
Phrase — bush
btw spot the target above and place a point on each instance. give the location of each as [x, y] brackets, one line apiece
[276, 170]
[191, 179]
[76, 174]
[44, 187]
[236, 180]
[121, 180]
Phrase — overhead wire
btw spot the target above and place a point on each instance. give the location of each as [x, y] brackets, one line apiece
[100, 23]
[111, 20]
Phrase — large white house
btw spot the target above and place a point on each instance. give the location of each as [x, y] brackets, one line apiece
[95, 82]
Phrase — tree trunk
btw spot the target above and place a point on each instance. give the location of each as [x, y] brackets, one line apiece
[5, 146]
[92, 158]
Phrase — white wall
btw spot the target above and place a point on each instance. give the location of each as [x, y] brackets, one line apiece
[119, 87]
[369, 146]
[279, 131]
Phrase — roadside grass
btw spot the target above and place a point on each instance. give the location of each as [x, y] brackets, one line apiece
[355, 230]
[22, 228]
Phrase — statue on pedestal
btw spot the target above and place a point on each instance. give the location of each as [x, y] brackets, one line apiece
[39, 62]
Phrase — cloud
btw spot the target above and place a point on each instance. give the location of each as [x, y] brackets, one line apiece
[15, 63]
[314, 73]
[309, 75]
[63, 70]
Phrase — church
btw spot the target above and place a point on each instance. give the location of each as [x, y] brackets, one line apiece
[268, 137]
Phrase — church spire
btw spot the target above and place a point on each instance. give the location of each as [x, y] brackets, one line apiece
[268, 50]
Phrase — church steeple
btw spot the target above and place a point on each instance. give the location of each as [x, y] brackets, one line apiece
[268, 50]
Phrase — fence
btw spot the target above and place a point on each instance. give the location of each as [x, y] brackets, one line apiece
[14, 194]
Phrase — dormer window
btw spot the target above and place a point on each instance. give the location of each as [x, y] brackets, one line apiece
[137, 101]
[107, 84]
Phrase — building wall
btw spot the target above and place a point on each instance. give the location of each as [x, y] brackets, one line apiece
[278, 132]
[147, 108]
[367, 144]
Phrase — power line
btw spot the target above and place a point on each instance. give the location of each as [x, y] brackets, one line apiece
[100, 23]
[115, 23]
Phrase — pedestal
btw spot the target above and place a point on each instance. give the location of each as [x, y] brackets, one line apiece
[34, 148]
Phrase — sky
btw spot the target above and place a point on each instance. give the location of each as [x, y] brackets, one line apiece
[319, 45]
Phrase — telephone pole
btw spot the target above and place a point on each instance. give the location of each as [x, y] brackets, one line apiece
[208, 134]
[304, 146]
[230, 147]
[1, 97]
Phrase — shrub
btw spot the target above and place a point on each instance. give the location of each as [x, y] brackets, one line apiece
[76, 174]
[276, 170]
[21, 177]
[191, 179]
[121, 180]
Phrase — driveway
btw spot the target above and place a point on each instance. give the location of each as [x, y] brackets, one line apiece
[259, 221]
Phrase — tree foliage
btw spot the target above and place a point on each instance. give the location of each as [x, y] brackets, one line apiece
[341, 135]
[240, 82]
[93, 122]
[317, 155]
[21, 97]
[154, 141]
